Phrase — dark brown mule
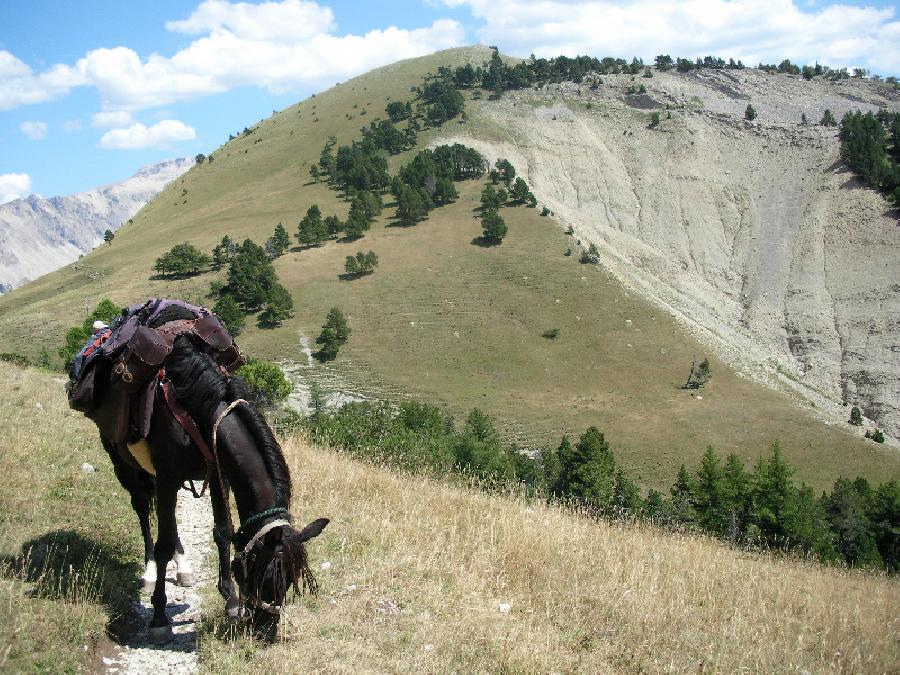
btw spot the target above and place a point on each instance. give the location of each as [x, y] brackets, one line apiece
[271, 556]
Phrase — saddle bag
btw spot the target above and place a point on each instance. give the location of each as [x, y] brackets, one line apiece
[143, 357]
[86, 393]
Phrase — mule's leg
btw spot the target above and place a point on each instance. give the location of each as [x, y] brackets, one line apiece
[166, 494]
[140, 489]
[223, 544]
[184, 575]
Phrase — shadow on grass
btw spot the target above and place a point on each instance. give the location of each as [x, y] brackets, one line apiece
[355, 275]
[485, 242]
[65, 565]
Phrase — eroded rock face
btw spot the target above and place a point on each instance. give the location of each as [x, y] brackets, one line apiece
[40, 235]
[753, 233]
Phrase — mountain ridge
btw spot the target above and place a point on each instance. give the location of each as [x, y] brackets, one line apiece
[39, 235]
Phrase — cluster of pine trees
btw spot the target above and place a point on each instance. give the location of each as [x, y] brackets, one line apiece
[870, 144]
[252, 283]
[854, 524]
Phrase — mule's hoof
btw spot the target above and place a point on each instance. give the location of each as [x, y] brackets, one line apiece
[184, 578]
[160, 634]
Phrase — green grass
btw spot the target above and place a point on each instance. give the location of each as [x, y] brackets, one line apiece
[69, 541]
[442, 319]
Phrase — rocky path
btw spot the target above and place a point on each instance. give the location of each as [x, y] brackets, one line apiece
[179, 655]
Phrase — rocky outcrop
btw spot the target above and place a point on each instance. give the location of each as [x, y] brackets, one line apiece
[752, 233]
[39, 235]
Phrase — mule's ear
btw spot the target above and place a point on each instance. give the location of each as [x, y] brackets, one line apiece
[314, 529]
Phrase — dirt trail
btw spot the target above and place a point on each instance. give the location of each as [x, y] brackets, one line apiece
[179, 655]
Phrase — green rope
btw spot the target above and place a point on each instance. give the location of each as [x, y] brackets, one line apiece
[258, 516]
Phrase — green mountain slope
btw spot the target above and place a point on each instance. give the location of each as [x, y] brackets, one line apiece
[442, 319]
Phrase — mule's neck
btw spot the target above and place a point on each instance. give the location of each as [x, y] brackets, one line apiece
[245, 467]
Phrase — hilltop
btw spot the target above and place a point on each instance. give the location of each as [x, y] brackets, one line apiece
[456, 324]
[39, 235]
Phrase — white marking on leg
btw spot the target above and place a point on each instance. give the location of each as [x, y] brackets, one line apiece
[182, 564]
[150, 573]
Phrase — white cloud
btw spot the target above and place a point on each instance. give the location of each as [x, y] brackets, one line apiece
[114, 118]
[34, 130]
[73, 125]
[279, 46]
[14, 186]
[139, 137]
[19, 86]
[750, 30]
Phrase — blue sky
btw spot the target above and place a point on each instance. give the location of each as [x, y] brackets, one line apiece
[90, 91]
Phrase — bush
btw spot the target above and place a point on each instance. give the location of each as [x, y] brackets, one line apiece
[591, 256]
[654, 120]
[551, 334]
[750, 112]
[266, 382]
[77, 336]
[855, 416]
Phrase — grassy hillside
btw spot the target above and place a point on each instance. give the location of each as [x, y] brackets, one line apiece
[418, 573]
[442, 319]
[70, 550]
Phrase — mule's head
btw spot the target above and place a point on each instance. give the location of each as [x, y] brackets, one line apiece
[276, 563]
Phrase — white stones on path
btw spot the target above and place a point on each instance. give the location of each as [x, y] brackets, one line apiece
[179, 655]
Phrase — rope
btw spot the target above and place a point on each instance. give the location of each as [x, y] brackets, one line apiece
[215, 431]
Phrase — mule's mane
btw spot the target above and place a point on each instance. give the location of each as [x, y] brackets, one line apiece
[201, 388]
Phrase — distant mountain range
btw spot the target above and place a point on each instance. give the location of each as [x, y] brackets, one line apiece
[40, 235]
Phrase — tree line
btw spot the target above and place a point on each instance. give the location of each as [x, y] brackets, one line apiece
[854, 524]
[870, 145]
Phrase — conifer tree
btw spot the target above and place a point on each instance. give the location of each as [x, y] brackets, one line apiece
[250, 275]
[709, 494]
[587, 471]
[682, 493]
[281, 240]
[493, 227]
[223, 253]
[230, 313]
[735, 497]
[334, 335]
[279, 307]
[311, 230]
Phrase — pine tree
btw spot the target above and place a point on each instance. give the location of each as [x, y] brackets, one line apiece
[770, 497]
[490, 199]
[493, 227]
[848, 508]
[587, 471]
[855, 416]
[250, 275]
[682, 493]
[223, 253]
[108, 236]
[230, 313]
[281, 240]
[709, 494]
[335, 333]
[551, 467]
[311, 230]
[279, 307]
[735, 497]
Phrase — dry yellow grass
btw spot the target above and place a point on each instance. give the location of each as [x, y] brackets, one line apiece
[69, 541]
[419, 569]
